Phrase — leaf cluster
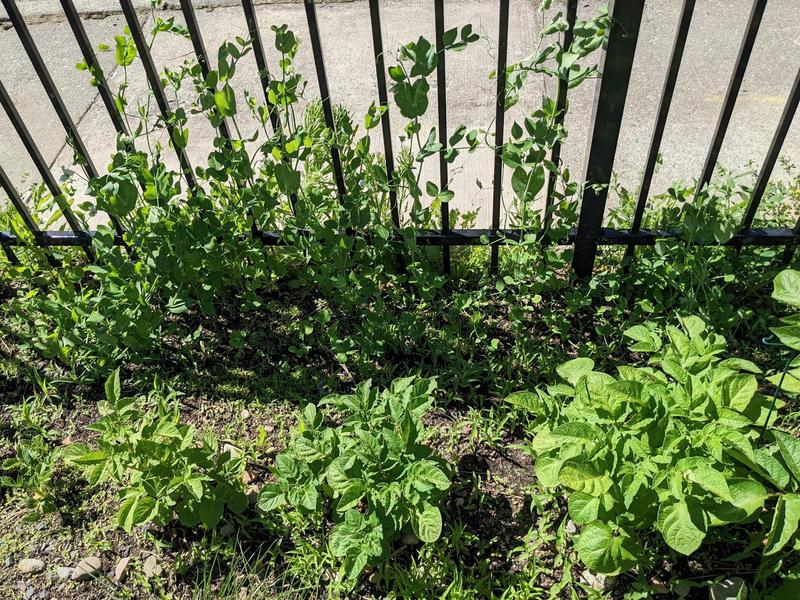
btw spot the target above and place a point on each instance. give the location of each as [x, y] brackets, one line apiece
[371, 474]
[672, 448]
[161, 466]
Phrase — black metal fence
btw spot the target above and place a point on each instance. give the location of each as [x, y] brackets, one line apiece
[615, 66]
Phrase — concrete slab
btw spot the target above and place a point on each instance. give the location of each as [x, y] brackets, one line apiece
[345, 31]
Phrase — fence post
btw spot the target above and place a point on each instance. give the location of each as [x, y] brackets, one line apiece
[441, 107]
[325, 97]
[678, 47]
[383, 100]
[154, 79]
[787, 116]
[746, 48]
[25, 215]
[612, 89]
[200, 52]
[44, 170]
[561, 108]
[499, 126]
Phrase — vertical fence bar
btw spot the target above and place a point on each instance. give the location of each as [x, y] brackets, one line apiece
[789, 110]
[200, 52]
[611, 91]
[441, 105]
[753, 23]
[324, 92]
[383, 99]
[663, 112]
[12, 258]
[499, 118]
[49, 85]
[561, 108]
[261, 60]
[25, 215]
[263, 74]
[52, 93]
[44, 170]
[94, 66]
[158, 91]
[788, 252]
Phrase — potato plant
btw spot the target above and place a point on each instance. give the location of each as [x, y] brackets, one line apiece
[674, 448]
[161, 467]
[368, 470]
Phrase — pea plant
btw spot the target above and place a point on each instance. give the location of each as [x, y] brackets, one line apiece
[670, 449]
[417, 61]
[369, 471]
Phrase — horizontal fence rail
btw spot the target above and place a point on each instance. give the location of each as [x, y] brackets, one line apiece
[616, 67]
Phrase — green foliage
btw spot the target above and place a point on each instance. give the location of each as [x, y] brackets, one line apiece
[659, 459]
[671, 447]
[370, 473]
[159, 463]
[786, 290]
[33, 466]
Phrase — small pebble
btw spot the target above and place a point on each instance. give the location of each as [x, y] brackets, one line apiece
[227, 530]
[31, 565]
[64, 572]
[151, 568]
[88, 568]
[120, 571]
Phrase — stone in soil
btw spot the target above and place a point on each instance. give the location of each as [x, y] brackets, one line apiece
[64, 572]
[409, 538]
[732, 588]
[151, 568]
[601, 583]
[121, 570]
[30, 565]
[88, 568]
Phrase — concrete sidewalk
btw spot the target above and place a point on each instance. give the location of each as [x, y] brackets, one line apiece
[345, 29]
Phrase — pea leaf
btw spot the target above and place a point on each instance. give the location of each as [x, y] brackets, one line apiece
[412, 98]
[225, 101]
[526, 184]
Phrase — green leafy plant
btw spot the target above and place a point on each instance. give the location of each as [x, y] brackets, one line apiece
[370, 473]
[32, 468]
[786, 289]
[671, 447]
[160, 464]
